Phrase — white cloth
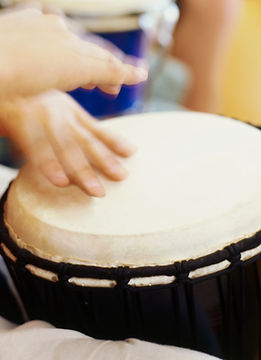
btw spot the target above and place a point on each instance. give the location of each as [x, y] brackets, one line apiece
[37, 340]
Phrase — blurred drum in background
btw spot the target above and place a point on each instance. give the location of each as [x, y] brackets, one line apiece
[170, 255]
[130, 25]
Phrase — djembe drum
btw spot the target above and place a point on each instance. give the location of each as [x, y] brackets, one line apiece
[170, 255]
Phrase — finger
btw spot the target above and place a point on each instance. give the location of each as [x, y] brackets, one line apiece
[110, 89]
[89, 87]
[134, 75]
[79, 170]
[105, 69]
[24, 127]
[116, 143]
[106, 44]
[43, 157]
[99, 155]
[135, 61]
[114, 72]
[73, 160]
[53, 171]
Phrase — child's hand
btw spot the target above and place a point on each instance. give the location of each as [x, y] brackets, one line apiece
[63, 141]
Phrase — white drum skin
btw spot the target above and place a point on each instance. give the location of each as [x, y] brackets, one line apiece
[194, 188]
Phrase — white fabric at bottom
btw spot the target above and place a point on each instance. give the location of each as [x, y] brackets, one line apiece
[41, 341]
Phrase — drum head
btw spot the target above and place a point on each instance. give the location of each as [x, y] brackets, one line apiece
[194, 187]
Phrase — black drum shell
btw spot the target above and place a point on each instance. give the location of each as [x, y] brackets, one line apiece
[219, 314]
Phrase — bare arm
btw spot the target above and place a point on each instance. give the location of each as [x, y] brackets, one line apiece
[201, 40]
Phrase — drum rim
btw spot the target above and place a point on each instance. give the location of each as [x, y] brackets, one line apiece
[123, 274]
[70, 9]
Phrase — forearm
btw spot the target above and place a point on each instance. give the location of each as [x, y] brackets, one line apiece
[201, 40]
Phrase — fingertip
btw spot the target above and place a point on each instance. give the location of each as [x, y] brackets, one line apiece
[119, 177]
[59, 179]
[98, 193]
[111, 89]
[125, 150]
[114, 91]
[120, 146]
[135, 75]
[94, 188]
[89, 87]
[117, 173]
[52, 170]
[142, 74]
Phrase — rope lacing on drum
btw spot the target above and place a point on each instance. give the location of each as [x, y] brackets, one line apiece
[63, 273]
[181, 270]
[22, 258]
[234, 254]
[122, 276]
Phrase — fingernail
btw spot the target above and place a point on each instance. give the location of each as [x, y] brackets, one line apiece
[61, 175]
[60, 179]
[118, 172]
[126, 149]
[95, 188]
[115, 90]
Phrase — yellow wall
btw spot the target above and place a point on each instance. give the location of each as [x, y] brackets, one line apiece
[241, 85]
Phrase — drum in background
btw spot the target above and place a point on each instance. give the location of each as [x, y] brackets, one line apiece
[170, 255]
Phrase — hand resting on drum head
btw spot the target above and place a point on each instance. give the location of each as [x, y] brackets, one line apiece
[63, 140]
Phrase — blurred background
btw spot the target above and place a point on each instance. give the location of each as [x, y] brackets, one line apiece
[203, 55]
